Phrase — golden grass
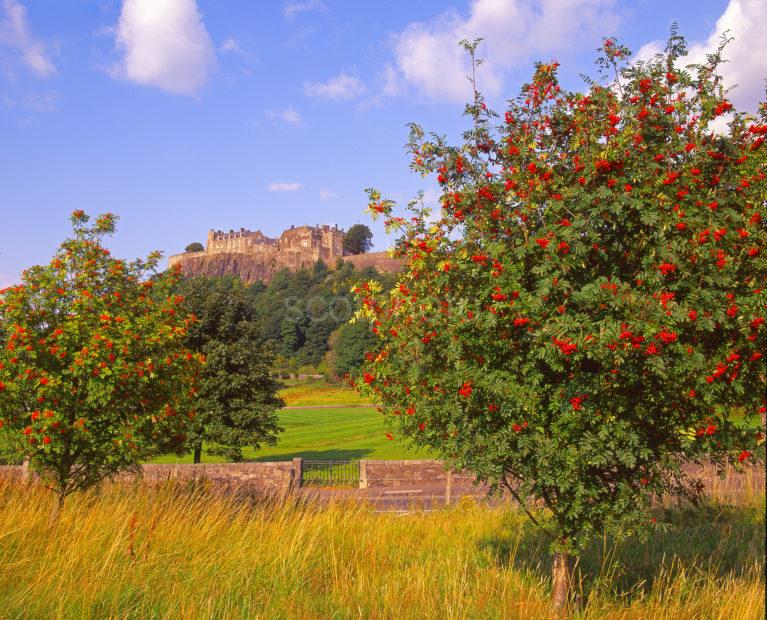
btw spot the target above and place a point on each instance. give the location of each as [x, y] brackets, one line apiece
[169, 553]
[320, 392]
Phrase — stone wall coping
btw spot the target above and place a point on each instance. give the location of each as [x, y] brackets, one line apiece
[246, 464]
[404, 462]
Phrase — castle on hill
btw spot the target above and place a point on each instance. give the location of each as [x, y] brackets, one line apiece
[296, 247]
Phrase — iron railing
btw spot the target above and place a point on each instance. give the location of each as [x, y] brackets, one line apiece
[7, 457]
[330, 473]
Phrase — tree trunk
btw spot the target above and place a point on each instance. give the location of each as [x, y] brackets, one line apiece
[562, 587]
[58, 504]
[197, 454]
[26, 475]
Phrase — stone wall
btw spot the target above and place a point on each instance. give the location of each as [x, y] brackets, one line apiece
[387, 480]
[256, 479]
[272, 478]
[174, 259]
[11, 471]
[403, 474]
[380, 260]
[428, 480]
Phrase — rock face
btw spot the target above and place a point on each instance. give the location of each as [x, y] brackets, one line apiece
[252, 268]
[247, 267]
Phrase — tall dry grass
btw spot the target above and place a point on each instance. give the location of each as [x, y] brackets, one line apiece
[170, 553]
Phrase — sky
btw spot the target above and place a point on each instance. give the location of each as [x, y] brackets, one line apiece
[185, 115]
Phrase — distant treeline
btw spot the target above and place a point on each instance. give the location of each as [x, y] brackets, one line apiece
[305, 316]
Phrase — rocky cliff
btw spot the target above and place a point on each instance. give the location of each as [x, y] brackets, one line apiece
[251, 268]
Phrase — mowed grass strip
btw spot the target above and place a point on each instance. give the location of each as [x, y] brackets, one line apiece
[326, 434]
[136, 552]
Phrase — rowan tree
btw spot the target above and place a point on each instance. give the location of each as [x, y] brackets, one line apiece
[94, 377]
[584, 316]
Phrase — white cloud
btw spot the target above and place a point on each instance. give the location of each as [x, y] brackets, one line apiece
[292, 9]
[289, 115]
[280, 186]
[16, 34]
[36, 102]
[43, 102]
[393, 86]
[327, 194]
[649, 50]
[430, 199]
[341, 87]
[165, 44]
[427, 55]
[233, 46]
[746, 55]
[230, 45]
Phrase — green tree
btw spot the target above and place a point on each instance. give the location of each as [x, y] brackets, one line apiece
[319, 271]
[94, 375]
[358, 239]
[299, 310]
[194, 247]
[354, 340]
[291, 336]
[318, 331]
[237, 402]
[586, 311]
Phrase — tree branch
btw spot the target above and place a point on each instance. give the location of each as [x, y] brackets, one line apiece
[525, 509]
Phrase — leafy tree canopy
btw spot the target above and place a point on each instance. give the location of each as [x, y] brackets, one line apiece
[237, 403]
[585, 315]
[358, 240]
[194, 247]
[94, 375]
[298, 311]
[353, 342]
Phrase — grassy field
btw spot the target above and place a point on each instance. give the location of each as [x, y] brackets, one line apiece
[139, 553]
[319, 392]
[324, 434]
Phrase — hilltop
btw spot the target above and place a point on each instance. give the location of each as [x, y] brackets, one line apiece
[253, 256]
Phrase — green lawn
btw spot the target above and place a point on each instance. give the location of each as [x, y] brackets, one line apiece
[325, 434]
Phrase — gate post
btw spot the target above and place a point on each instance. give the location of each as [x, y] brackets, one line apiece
[298, 472]
[363, 464]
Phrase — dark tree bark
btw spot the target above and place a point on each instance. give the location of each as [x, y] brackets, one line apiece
[197, 454]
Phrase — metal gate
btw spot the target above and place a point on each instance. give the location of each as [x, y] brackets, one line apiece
[330, 473]
[8, 457]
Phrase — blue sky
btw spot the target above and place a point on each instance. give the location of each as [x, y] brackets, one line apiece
[184, 115]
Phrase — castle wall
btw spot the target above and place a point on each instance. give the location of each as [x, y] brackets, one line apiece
[295, 246]
[174, 259]
[258, 256]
